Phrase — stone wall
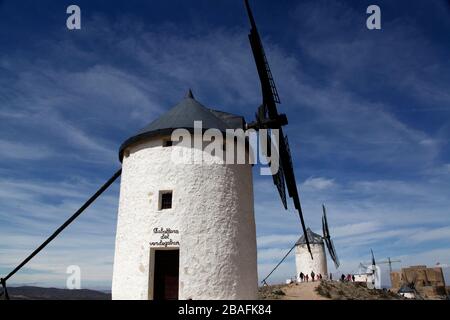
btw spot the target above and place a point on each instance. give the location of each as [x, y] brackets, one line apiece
[429, 282]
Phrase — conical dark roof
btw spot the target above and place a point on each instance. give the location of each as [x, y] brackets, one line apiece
[405, 289]
[183, 115]
[312, 237]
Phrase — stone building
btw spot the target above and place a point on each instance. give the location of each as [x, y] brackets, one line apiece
[428, 282]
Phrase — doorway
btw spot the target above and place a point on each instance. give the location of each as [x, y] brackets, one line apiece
[165, 285]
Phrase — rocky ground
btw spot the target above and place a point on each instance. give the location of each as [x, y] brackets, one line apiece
[337, 290]
[324, 290]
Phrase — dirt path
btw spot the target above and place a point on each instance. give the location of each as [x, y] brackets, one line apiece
[302, 291]
[330, 290]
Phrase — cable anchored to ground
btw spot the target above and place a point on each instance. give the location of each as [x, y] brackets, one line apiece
[102, 189]
[285, 256]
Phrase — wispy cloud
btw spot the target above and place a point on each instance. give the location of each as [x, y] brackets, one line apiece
[21, 151]
[432, 234]
[350, 230]
[318, 183]
[277, 240]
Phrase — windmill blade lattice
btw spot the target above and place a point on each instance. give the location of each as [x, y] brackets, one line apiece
[327, 238]
[267, 117]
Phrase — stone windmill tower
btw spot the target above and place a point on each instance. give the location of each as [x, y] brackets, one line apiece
[318, 265]
[184, 231]
[303, 261]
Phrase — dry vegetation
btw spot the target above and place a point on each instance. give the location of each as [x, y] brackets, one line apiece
[353, 291]
[325, 290]
[274, 292]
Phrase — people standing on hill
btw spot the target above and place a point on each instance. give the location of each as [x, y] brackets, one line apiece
[331, 276]
[343, 277]
[353, 277]
[320, 276]
[301, 276]
[306, 277]
[312, 275]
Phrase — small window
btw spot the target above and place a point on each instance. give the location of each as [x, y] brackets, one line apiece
[165, 200]
[167, 143]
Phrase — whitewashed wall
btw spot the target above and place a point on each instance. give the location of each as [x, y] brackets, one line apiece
[213, 212]
[305, 264]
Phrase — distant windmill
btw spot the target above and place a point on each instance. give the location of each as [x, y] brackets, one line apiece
[374, 273]
[389, 261]
[303, 261]
[304, 264]
[369, 272]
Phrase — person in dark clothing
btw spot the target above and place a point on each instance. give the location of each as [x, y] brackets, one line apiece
[331, 276]
[342, 277]
[312, 275]
[301, 276]
[306, 277]
[353, 277]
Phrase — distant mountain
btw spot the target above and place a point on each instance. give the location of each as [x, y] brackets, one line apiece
[38, 293]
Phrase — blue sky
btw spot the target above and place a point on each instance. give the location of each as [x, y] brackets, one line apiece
[368, 113]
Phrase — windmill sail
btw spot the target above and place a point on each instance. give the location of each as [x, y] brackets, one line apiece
[326, 236]
[278, 177]
[268, 118]
[279, 181]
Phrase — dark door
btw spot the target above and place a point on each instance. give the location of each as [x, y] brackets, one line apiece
[165, 286]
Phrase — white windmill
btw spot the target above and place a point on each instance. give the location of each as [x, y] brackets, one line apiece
[318, 265]
[187, 230]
